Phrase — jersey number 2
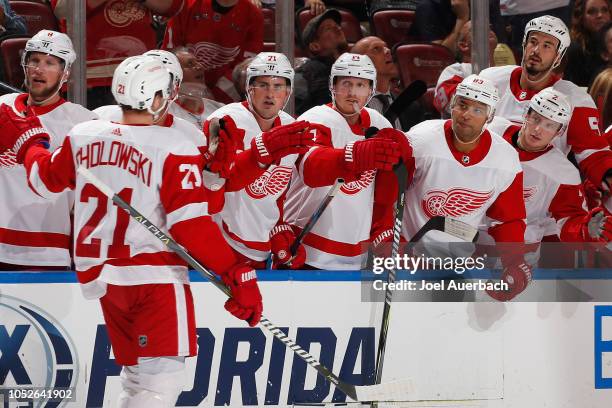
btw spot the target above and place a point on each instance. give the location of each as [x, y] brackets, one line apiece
[118, 249]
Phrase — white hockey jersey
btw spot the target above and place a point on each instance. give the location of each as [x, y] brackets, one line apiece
[551, 187]
[34, 230]
[161, 180]
[486, 182]
[113, 113]
[339, 238]
[249, 214]
[582, 135]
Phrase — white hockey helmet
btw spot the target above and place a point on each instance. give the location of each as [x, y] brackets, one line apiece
[478, 89]
[353, 65]
[171, 62]
[553, 26]
[52, 43]
[553, 105]
[269, 64]
[138, 79]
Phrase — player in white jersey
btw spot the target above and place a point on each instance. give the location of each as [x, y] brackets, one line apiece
[545, 42]
[462, 170]
[361, 211]
[35, 232]
[551, 183]
[268, 141]
[142, 286]
[165, 118]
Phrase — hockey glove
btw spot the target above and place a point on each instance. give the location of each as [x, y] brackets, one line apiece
[18, 133]
[597, 227]
[245, 303]
[281, 239]
[371, 154]
[400, 138]
[270, 147]
[592, 194]
[517, 277]
[221, 150]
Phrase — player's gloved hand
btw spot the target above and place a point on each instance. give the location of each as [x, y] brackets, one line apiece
[281, 239]
[271, 146]
[220, 152]
[400, 138]
[381, 243]
[245, 303]
[597, 226]
[19, 133]
[371, 154]
[592, 194]
[517, 277]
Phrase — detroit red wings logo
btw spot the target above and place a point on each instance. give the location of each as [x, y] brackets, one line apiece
[455, 202]
[213, 56]
[120, 13]
[353, 187]
[529, 192]
[270, 183]
[8, 159]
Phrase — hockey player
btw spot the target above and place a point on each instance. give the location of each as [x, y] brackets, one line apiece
[464, 171]
[361, 211]
[143, 288]
[269, 141]
[551, 183]
[35, 231]
[545, 42]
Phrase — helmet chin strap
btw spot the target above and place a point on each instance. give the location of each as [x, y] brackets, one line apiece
[537, 81]
[159, 113]
[254, 112]
[356, 107]
[62, 81]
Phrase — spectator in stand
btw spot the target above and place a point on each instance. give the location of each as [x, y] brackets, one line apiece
[386, 72]
[239, 77]
[193, 103]
[441, 21]
[517, 13]
[455, 73]
[604, 44]
[584, 60]
[116, 29]
[325, 41]
[10, 23]
[316, 6]
[220, 33]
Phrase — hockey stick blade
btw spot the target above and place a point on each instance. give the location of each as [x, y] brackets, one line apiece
[399, 390]
[410, 94]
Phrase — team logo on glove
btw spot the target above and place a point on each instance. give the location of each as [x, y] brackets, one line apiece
[270, 183]
[353, 187]
[456, 202]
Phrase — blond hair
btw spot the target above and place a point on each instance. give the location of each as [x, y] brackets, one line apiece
[601, 91]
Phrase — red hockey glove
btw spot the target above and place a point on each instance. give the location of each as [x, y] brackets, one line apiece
[400, 138]
[381, 243]
[597, 227]
[245, 302]
[270, 147]
[371, 154]
[517, 277]
[18, 133]
[221, 150]
[281, 239]
[592, 195]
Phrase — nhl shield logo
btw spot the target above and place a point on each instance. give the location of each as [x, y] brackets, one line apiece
[142, 340]
[523, 95]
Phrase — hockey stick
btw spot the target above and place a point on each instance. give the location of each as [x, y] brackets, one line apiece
[370, 132]
[399, 390]
[9, 88]
[410, 94]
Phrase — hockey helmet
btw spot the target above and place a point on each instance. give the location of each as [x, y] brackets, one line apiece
[553, 105]
[171, 62]
[478, 89]
[553, 26]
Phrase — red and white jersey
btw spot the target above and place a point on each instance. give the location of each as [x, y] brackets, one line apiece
[34, 230]
[552, 188]
[486, 182]
[161, 180]
[339, 238]
[582, 135]
[114, 113]
[249, 214]
[196, 119]
[450, 77]
[219, 41]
